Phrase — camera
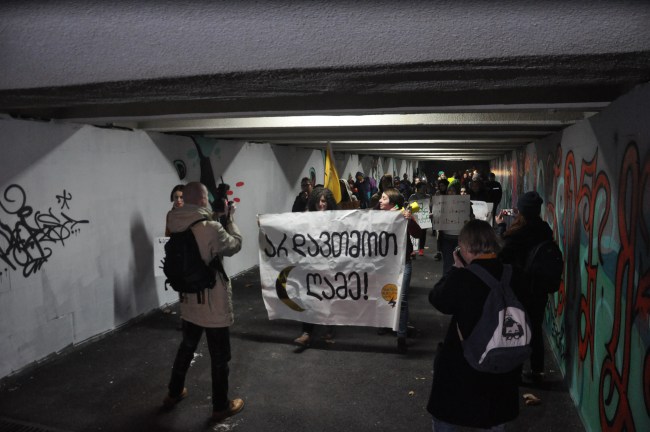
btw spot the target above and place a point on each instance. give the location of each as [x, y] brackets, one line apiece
[218, 205]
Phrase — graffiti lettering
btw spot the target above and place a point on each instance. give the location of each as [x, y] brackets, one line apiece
[25, 243]
[63, 199]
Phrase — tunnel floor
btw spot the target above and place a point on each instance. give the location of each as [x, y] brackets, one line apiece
[357, 382]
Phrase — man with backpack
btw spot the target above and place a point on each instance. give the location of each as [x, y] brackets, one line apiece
[209, 308]
[520, 249]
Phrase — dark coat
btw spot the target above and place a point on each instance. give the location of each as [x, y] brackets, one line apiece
[517, 245]
[460, 394]
[413, 230]
[300, 203]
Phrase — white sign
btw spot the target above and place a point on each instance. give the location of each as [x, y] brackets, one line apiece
[333, 267]
[450, 212]
[482, 210]
[159, 255]
[422, 216]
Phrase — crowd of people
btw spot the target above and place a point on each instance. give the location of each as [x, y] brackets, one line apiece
[457, 387]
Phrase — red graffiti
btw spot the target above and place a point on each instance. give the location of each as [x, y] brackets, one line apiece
[613, 401]
[587, 200]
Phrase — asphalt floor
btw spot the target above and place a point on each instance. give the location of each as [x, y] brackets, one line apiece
[356, 382]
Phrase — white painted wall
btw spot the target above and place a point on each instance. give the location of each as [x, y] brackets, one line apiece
[80, 207]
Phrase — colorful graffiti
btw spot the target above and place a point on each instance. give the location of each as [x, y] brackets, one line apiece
[598, 322]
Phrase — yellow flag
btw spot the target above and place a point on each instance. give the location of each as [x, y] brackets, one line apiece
[331, 176]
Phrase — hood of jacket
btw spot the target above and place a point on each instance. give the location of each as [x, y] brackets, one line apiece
[181, 218]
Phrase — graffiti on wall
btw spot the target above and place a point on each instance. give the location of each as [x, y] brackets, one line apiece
[26, 236]
[598, 322]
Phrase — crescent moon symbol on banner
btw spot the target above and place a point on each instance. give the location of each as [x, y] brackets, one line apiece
[281, 289]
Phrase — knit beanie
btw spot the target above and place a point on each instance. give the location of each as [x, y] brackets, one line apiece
[530, 204]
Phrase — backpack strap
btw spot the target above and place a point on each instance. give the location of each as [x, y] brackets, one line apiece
[490, 280]
[200, 296]
[197, 221]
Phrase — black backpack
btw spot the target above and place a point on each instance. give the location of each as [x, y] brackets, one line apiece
[500, 340]
[185, 270]
[544, 266]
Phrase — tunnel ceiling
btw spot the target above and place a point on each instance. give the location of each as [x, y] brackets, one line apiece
[475, 107]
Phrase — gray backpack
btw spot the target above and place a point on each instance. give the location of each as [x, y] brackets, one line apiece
[500, 341]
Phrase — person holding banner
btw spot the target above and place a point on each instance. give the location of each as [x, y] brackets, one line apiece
[320, 199]
[393, 200]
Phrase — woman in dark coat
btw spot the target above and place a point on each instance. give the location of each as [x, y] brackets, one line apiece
[527, 231]
[460, 394]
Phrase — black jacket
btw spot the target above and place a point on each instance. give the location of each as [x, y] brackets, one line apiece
[515, 250]
[460, 394]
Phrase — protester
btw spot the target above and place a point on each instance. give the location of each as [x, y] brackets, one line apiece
[300, 203]
[385, 182]
[527, 230]
[477, 191]
[461, 395]
[363, 190]
[494, 192]
[448, 239]
[176, 198]
[393, 200]
[321, 199]
[214, 315]
[442, 184]
[420, 194]
[406, 187]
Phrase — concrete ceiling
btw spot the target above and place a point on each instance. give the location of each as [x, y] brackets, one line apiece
[415, 80]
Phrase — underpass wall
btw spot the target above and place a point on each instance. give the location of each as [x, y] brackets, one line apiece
[81, 208]
[595, 181]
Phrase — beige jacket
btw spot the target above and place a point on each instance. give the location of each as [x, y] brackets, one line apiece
[213, 239]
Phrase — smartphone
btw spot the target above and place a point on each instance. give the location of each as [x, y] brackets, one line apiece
[457, 252]
[508, 212]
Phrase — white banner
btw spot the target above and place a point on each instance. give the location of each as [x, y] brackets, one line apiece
[159, 255]
[450, 212]
[333, 267]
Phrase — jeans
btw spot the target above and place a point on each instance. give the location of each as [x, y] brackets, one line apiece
[536, 311]
[404, 308]
[440, 426]
[219, 347]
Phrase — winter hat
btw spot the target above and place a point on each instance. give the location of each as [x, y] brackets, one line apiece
[530, 204]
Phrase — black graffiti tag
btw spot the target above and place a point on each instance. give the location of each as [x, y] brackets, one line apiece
[63, 199]
[26, 244]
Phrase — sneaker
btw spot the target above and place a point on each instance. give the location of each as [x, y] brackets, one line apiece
[437, 256]
[234, 407]
[413, 254]
[421, 253]
[170, 401]
[303, 340]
